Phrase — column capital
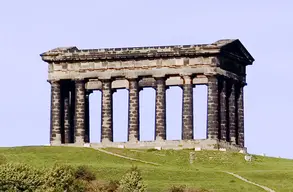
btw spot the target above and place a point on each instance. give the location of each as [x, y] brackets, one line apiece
[78, 80]
[53, 81]
[105, 77]
[185, 74]
[132, 77]
[159, 76]
[187, 79]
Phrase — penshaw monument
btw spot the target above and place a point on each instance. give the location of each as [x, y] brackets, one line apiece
[74, 73]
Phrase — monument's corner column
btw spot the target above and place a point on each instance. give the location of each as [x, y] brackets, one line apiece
[224, 132]
[160, 118]
[187, 108]
[66, 113]
[55, 125]
[79, 111]
[107, 113]
[240, 110]
[213, 108]
[232, 112]
[87, 116]
[133, 112]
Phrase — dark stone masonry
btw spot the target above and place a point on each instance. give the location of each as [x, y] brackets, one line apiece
[160, 109]
[107, 115]
[187, 109]
[133, 115]
[221, 66]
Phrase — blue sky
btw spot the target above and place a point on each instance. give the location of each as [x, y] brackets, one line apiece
[29, 28]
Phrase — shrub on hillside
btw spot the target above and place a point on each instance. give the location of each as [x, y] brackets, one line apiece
[180, 188]
[84, 173]
[132, 182]
[100, 186]
[20, 177]
[183, 188]
[112, 186]
[62, 178]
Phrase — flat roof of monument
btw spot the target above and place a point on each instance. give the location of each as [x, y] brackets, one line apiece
[225, 46]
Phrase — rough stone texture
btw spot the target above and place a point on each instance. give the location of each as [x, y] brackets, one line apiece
[107, 117]
[66, 115]
[79, 111]
[213, 109]
[240, 109]
[223, 110]
[67, 63]
[187, 109]
[55, 138]
[160, 132]
[87, 118]
[110, 69]
[133, 115]
[232, 109]
[72, 110]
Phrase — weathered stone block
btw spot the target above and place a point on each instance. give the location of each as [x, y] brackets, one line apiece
[232, 111]
[107, 118]
[55, 136]
[187, 109]
[160, 109]
[79, 111]
[133, 115]
[213, 106]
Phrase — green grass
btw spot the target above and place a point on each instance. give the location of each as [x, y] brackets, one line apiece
[175, 169]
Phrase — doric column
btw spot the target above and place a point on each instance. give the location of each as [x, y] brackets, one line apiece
[107, 117]
[66, 114]
[55, 132]
[87, 117]
[72, 111]
[187, 108]
[223, 110]
[160, 130]
[232, 109]
[79, 111]
[240, 118]
[133, 112]
[213, 106]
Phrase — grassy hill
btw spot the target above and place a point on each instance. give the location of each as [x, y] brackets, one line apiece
[173, 169]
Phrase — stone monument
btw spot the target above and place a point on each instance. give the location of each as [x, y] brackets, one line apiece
[74, 73]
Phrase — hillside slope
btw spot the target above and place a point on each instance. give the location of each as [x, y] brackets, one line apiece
[173, 169]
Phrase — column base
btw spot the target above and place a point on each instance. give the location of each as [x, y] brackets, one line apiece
[201, 144]
[56, 140]
[133, 139]
[106, 141]
[55, 143]
[79, 141]
[197, 145]
[159, 139]
[233, 140]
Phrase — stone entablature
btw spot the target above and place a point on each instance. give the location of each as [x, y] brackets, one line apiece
[74, 73]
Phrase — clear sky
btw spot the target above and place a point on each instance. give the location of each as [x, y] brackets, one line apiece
[30, 27]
